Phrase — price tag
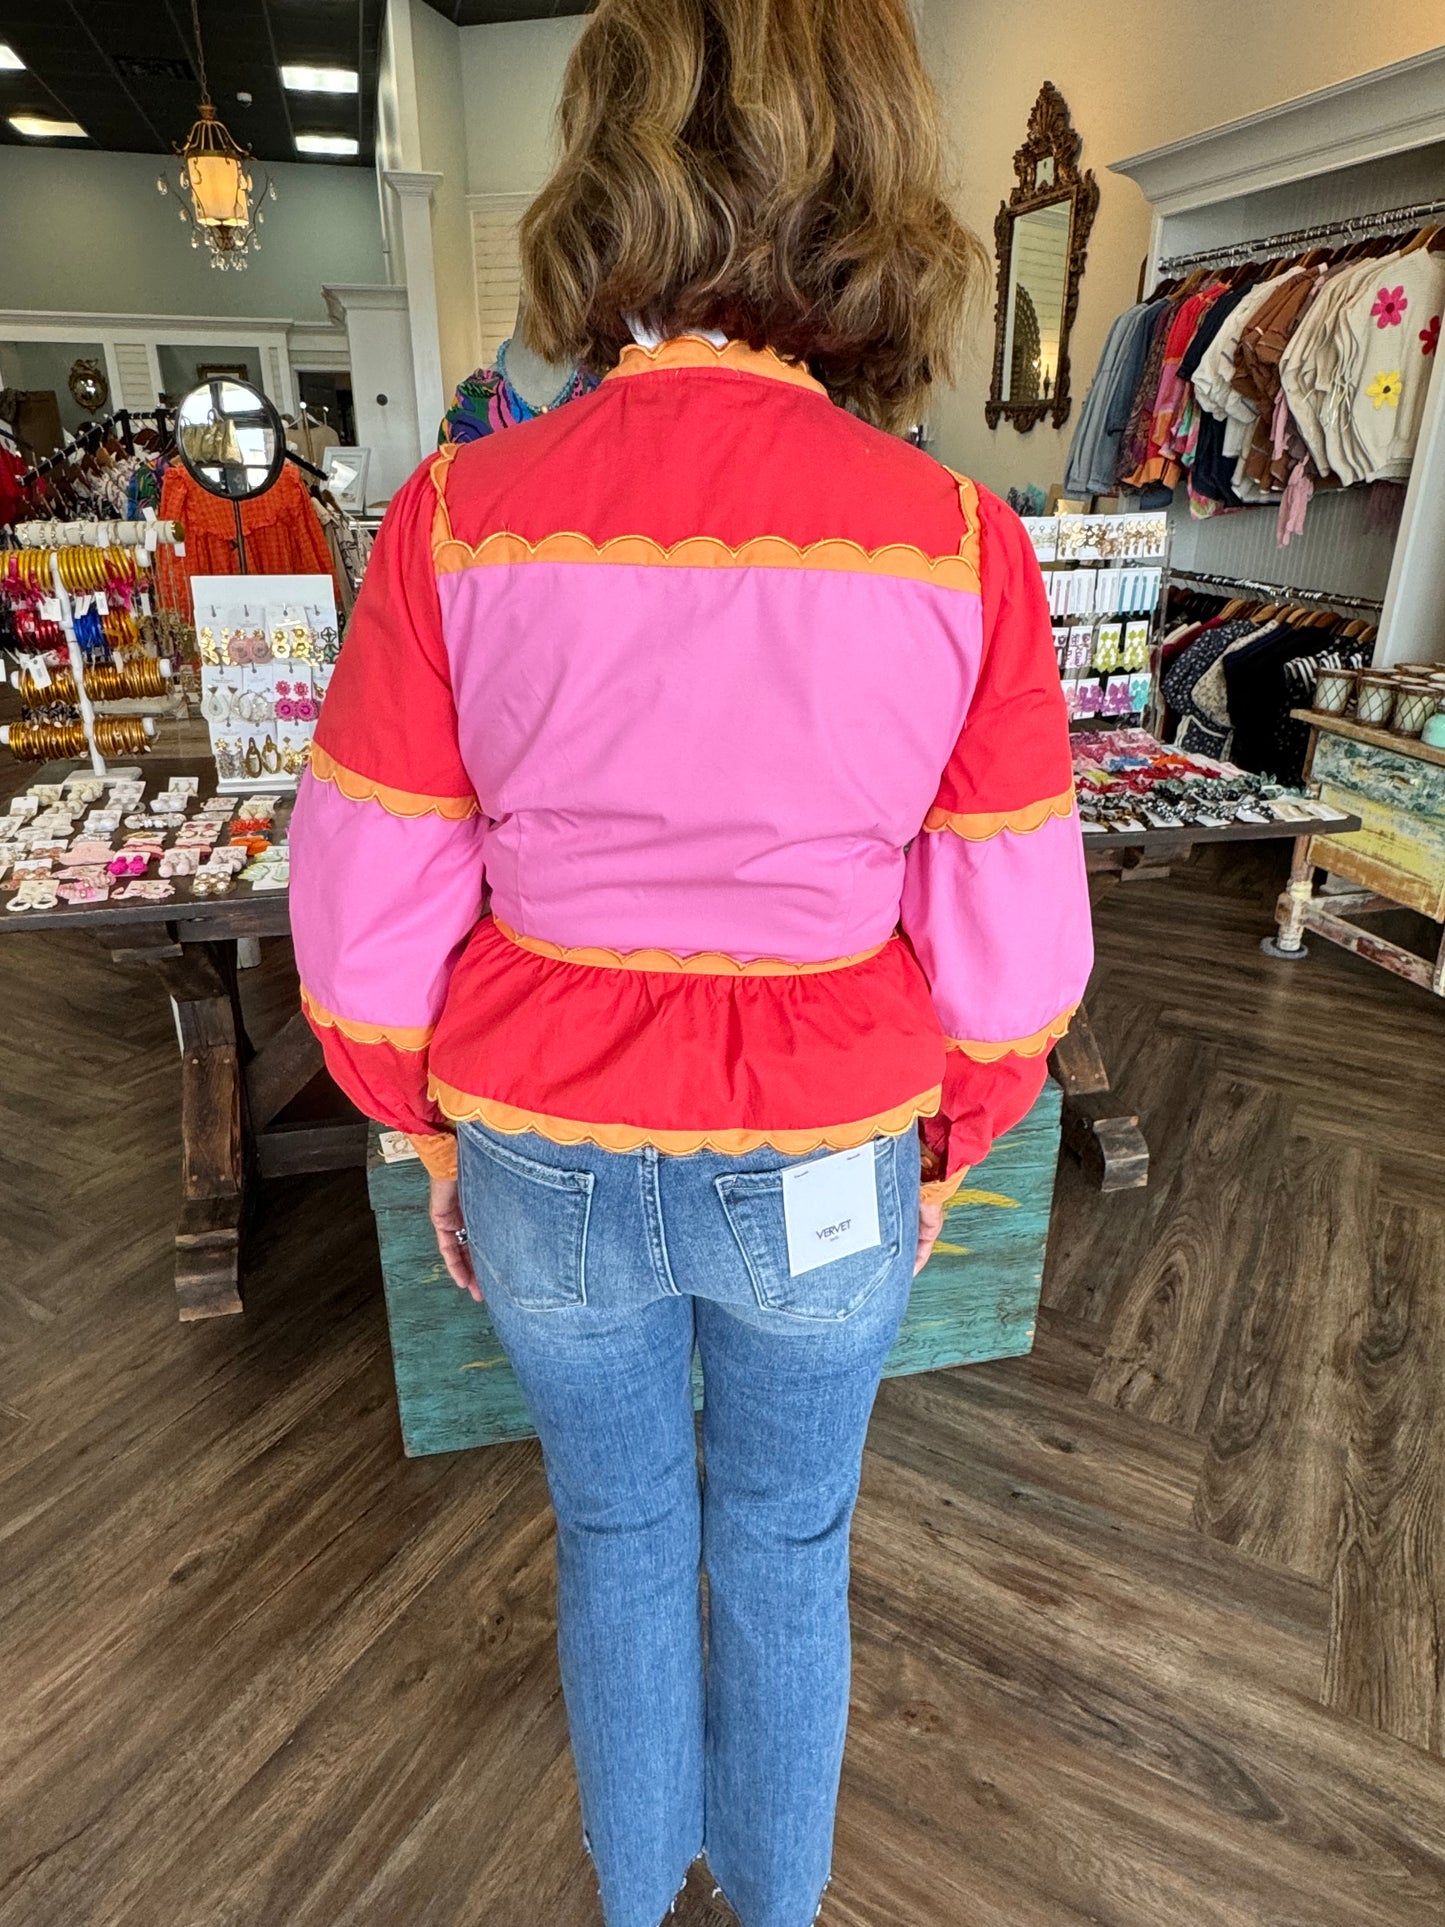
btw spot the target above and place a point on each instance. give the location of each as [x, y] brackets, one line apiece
[40, 672]
[830, 1208]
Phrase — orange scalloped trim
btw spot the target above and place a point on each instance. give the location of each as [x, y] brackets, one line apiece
[838, 555]
[439, 469]
[1034, 1046]
[703, 963]
[463, 1107]
[362, 789]
[402, 1037]
[970, 549]
[943, 1190]
[978, 829]
[691, 351]
[438, 1153]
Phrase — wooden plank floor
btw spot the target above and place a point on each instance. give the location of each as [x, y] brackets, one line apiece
[1147, 1625]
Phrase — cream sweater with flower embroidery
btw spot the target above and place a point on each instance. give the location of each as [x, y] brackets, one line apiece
[1395, 323]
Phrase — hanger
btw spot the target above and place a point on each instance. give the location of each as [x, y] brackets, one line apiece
[1420, 239]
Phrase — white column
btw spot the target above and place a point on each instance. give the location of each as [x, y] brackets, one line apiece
[379, 351]
[413, 191]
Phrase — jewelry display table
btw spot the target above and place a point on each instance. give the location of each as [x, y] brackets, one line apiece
[1098, 1128]
[1396, 784]
[233, 1091]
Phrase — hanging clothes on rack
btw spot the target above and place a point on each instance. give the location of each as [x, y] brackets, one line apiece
[1248, 664]
[310, 438]
[282, 531]
[1093, 467]
[1268, 375]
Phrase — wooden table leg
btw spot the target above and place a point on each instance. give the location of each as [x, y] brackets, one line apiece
[1287, 945]
[214, 1148]
[280, 1070]
[1104, 1137]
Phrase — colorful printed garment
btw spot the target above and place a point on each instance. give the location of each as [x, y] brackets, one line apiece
[748, 717]
[487, 401]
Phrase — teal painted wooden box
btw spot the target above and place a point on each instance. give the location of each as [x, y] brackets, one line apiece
[977, 1299]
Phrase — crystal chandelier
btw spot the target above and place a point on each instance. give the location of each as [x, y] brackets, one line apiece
[218, 194]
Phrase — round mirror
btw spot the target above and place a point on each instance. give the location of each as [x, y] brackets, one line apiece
[230, 438]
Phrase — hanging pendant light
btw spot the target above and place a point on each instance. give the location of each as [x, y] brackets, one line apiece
[218, 196]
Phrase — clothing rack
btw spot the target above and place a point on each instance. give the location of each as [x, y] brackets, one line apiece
[91, 434]
[1273, 591]
[1354, 227]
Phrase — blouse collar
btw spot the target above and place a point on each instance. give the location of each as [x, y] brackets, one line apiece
[647, 355]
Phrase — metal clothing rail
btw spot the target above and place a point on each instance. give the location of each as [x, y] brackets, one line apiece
[1357, 227]
[1274, 591]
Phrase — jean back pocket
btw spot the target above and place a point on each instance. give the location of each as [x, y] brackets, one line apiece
[753, 1204]
[527, 1222]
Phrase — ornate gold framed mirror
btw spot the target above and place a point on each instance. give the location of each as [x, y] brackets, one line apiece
[1041, 237]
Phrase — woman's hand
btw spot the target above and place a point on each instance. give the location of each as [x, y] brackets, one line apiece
[930, 1224]
[445, 1211]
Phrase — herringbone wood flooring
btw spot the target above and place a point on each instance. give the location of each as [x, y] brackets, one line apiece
[1147, 1626]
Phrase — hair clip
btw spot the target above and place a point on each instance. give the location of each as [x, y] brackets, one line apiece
[35, 893]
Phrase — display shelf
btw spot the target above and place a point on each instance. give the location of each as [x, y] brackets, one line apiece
[1378, 738]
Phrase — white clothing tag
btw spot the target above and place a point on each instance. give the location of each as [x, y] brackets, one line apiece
[830, 1209]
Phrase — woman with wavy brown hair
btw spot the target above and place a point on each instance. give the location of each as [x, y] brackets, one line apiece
[690, 843]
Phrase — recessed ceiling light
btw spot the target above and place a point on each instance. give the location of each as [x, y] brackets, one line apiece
[10, 61]
[37, 128]
[326, 144]
[320, 80]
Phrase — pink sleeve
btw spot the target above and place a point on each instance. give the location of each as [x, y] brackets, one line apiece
[387, 840]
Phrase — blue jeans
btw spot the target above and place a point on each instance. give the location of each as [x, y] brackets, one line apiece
[602, 1271]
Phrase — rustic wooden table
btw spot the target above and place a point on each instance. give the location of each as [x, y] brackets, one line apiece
[1098, 1128]
[233, 1091]
[1397, 786]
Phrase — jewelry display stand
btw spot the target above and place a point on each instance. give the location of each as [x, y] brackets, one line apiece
[267, 643]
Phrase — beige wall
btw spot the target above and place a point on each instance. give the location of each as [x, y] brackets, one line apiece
[1136, 74]
[511, 79]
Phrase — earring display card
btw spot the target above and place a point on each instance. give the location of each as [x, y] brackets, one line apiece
[267, 646]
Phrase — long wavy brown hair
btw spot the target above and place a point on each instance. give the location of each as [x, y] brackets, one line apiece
[770, 168]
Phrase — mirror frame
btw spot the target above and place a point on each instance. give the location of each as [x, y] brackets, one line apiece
[267, 408]
[1051, 135]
